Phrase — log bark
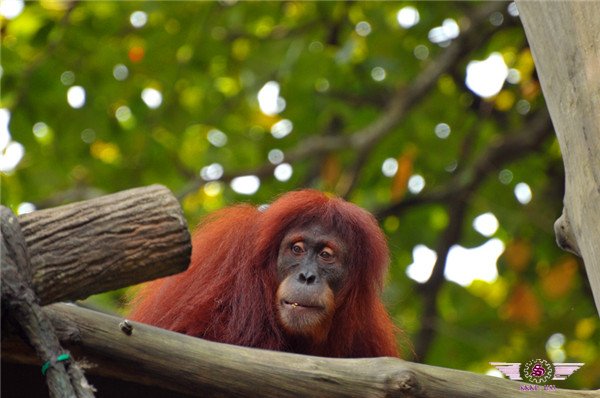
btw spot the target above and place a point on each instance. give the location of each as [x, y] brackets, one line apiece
[152, 356]
[564, 37]
[19, 300]
[106, 243]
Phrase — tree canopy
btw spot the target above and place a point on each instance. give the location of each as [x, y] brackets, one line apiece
[428, 114]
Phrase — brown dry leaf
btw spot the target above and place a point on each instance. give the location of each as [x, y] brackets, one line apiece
[405, 170]
[518, 254]
[530, 90]
[331, 171]
[523, 306]
[557, 282]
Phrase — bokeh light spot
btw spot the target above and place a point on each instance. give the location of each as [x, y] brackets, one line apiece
[282, 128]
[138, 19]
[408, 17]
[76, 97]
[152, 97]
[245, 185]
[523, 193]
[120, 72]
[283, 172]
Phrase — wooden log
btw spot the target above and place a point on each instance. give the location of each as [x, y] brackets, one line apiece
[20, 302]
[105, 243]
[147, 355]
[564, 40]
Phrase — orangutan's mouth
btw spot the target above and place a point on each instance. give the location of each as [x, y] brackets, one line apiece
[290, 304]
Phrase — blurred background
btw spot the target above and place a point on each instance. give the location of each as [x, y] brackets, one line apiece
[428, 114]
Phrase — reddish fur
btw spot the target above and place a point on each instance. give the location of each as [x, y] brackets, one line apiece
[228, 292]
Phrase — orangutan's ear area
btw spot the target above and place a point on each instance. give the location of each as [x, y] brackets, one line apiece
[301, 275]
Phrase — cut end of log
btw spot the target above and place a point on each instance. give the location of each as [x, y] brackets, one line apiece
[564, 235]
[106, 243]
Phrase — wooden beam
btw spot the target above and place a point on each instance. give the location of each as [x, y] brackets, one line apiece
[151, 356]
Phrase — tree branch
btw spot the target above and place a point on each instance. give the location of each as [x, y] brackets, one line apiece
[400, 103]
[429, 290]
[23, 88]
[20, 301]
[508, 149]
[457, 193]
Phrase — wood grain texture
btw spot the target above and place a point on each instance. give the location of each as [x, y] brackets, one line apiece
[565, 41]
[198, 367]
[106, 243]
[21, 304]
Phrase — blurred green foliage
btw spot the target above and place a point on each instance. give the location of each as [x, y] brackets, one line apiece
[209, 60]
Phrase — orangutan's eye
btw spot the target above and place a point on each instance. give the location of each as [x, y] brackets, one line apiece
[298, 248]
[327, 255]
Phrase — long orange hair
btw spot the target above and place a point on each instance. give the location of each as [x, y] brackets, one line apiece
[228, 292]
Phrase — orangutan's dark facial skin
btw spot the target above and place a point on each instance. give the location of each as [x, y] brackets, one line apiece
[311, 270]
